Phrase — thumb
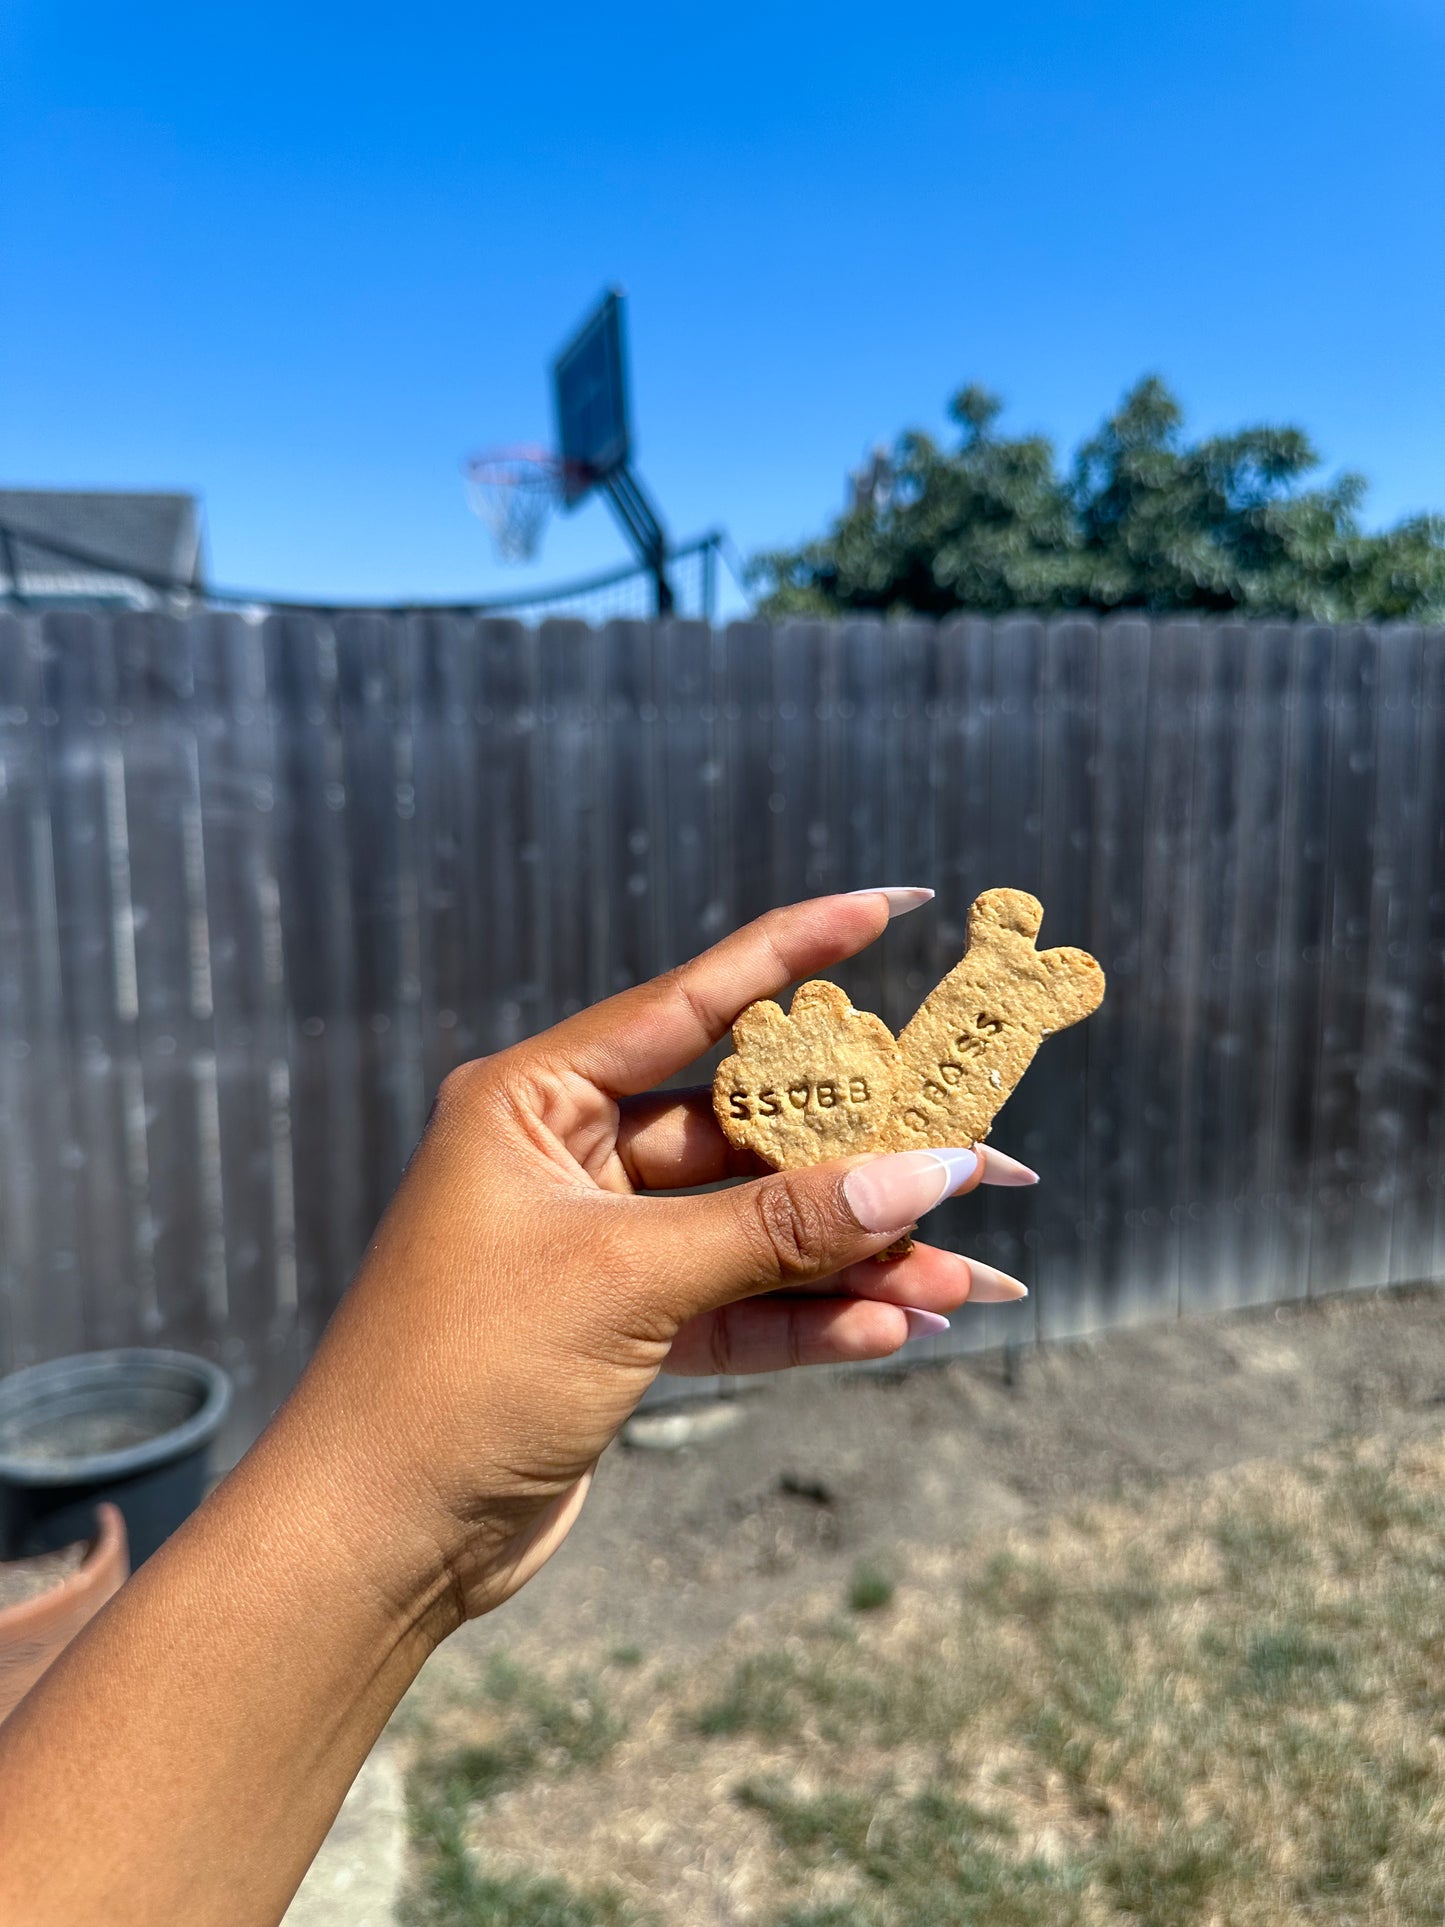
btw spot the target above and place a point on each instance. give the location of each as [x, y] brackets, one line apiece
[797, 1226]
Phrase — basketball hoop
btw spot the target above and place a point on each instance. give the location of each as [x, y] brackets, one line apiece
[513, 490]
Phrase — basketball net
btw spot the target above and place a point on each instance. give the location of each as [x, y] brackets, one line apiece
[513, 490]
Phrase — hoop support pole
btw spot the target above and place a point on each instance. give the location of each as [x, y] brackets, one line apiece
[642, 528]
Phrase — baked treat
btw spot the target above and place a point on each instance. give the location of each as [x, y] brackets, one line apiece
[818, 1083]
[826, 1080]
[975, 1035]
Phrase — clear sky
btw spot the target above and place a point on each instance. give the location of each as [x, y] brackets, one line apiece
[302, 258]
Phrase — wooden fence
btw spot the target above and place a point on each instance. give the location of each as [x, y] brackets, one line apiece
[263, 881]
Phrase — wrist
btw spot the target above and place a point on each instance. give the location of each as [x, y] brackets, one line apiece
[350, 1512]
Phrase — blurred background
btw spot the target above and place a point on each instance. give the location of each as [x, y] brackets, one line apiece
[488, 504]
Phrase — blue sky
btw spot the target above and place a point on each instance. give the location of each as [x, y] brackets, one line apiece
[304, 258]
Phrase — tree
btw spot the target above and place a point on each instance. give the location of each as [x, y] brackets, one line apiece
[1144, 520]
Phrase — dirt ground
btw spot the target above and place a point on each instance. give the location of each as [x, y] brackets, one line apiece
[824, 1473]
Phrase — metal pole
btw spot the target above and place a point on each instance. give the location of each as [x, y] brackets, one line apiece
[7, 549]
[709, 571]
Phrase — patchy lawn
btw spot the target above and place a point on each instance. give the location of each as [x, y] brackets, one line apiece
[1222, 1701]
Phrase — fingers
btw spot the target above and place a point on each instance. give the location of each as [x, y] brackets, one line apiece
[637, 1039]
[793, 1227]
[928, 1278]
[669, 1140]
[771, 1334]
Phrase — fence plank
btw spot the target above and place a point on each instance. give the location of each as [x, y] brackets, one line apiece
[693, 833]
[453, 887]
[246, 969]
[1337, 1153]
[1066, 1297]
[314, 878]
[628, 784]
[1113, 1130]
[1305, 910]
[1391, 1068]
[23, 1242]
[1247, 1191]
[514, 958]
[1163, 1007]
[95, 933]
[1212, 853]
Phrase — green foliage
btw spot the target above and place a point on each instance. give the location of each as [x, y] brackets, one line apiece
[870, 1588]
[1144, 519]
[454, 1891]
[927, 1859]
[544, 1729]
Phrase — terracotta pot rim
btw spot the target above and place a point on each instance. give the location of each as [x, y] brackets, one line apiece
[95, 1574]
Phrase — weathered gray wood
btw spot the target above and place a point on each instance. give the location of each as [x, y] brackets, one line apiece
[1164, 1007]
[1066, 1292]
[513, 962]
[88, 847]
[1337, 1153]
[687, 671]
[1254, 943]
[633, 835]
[246, 973]
[1212, 1154]
[21, 798]
[1298, 984]
[1115, 1134]
[318, 937]
[165, 1048]
[262, 884]
[450, 842]
[1391, 1070]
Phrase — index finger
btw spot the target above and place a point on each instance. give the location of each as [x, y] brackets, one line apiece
[634, 1040]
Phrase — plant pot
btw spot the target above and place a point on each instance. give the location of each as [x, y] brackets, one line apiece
[33, 1631]
[133, 1428]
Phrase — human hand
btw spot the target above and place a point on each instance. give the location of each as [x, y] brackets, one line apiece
[526, 1285]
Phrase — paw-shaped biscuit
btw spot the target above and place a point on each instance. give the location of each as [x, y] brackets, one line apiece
[975, 1036]
[818, 1083]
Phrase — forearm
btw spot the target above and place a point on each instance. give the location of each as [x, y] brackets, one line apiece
[185, 1757]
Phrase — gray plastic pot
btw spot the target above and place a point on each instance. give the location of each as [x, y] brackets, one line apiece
[133, 1427]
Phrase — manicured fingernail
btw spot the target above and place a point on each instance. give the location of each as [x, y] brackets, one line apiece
[924, 1324]
[998, 1169]
[990, 1287]
[902, 897]
[895, 1190]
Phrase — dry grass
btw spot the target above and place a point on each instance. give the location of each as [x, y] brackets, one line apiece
[1222, 1703]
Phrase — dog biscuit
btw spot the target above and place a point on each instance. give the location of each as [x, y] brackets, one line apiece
[818, 1083]
[825, 1080]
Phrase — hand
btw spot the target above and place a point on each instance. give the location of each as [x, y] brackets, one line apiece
[522, 1292]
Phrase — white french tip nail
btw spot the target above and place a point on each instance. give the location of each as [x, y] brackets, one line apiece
[924, 1324]
[902, 897]
[959, 1167]
[896, 1189]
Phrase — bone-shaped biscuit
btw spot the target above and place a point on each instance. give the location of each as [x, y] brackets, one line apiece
[975, 1035]
[827, 1080]
[817, 1083]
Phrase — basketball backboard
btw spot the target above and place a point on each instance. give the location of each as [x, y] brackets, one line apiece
[589, 381]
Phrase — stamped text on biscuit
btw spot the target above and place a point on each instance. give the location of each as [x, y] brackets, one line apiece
[949, 1073]
[824, 1094]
